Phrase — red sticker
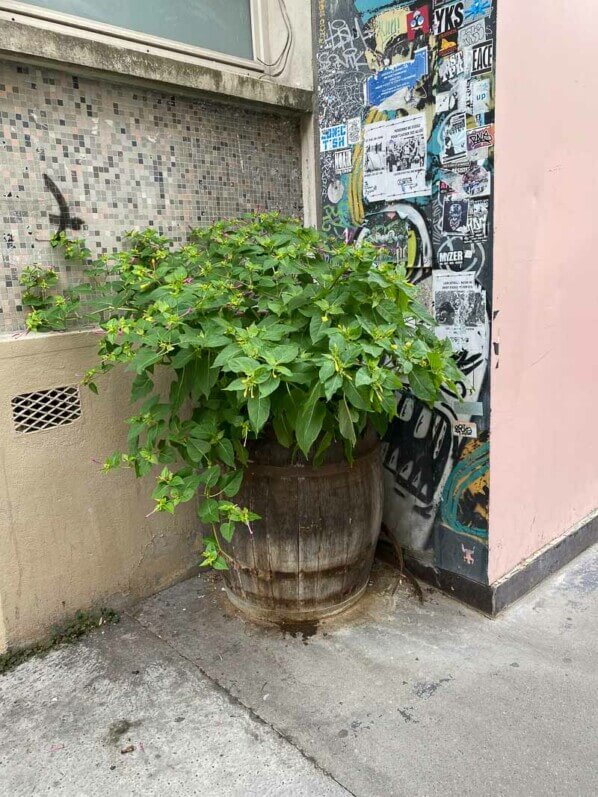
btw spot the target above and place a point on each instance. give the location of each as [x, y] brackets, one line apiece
[418, 21]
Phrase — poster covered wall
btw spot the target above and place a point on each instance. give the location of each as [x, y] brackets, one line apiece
[406, 115]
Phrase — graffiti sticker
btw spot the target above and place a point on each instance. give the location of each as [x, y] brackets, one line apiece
[354, 130]
[482, 58]
[418, 21]
[448, 17]
[332, 138]
[480, 138]
[465, 429]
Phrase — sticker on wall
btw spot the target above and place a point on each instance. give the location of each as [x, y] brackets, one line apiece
[447, 17]
[336, 191]
[395, 159]
[451, 67]
[481, 93]
[465, 429]
[454, 216]
[476, 8]
[476, 181]
[455, 99]
[472, 181]
[477, 222]
[480, 138]
[451, 257]
[396, 79]
[472, 34]
[354, 130]
[468, 408]
[458, 301]
[342, 161]
[482, 58]
[454, 139]
[332, 138]
[418, 21]
[448, 43]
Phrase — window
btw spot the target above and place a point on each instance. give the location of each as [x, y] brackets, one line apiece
[223, 26]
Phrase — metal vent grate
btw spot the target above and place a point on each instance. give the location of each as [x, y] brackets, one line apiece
[45, 409]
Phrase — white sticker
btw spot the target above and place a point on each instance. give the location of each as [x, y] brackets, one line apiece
[354, 130]
[465, 429]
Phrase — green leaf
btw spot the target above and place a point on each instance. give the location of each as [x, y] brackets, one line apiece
[236, 384]
[327, 370]
[181, 358]
[180, 388]
[202, 377]
[210, 476]
[197, 449]
[144, 358]
[233, 483]
[258, 408]
[345, 422]
[317, 328]
[323, 446]
[283, 431]
[284, 354]
[226, 452]
[268, 386]
[422, 384]
[227, 530]
[208, 511]
[242, 365]
[354, 396]
[309, 420]
[362, 377]
[332, 385]
[220, 564]
[142, 385]
[230, 351]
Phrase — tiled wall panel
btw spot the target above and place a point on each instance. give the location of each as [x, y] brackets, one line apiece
[98, 158]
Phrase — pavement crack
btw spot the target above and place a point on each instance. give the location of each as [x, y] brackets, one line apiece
[227, 694]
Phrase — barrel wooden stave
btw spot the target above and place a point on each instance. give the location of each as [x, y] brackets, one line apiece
[311, 553]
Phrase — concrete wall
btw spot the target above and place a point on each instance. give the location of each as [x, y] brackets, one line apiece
[544, 472]
[70, 536]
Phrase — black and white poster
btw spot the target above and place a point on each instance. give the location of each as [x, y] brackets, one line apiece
[458, 301]
[454, 139]
[395, 159]
[455, 214]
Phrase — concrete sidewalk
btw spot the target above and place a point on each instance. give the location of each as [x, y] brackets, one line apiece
[184, 697]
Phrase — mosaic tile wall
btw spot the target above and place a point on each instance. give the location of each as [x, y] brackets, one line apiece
[101, 158]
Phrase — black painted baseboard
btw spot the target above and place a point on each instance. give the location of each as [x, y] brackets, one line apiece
[493, 598]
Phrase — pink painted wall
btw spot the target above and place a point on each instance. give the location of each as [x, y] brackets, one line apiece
[544, 429]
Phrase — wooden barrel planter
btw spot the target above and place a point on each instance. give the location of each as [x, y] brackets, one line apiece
[310, 555]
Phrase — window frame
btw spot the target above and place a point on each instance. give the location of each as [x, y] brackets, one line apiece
[86, 28]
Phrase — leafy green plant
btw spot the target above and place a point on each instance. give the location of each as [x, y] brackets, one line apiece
[262, 324]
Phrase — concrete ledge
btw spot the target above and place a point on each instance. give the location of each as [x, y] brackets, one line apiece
[23, 344]
[493, 598]
[58, 50]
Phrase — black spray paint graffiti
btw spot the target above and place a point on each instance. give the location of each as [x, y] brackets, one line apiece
[64, 220]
